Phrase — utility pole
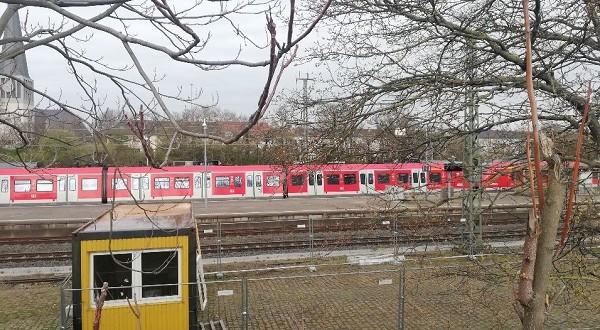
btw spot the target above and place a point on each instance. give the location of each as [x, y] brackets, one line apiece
[304, 115]
[472, 161]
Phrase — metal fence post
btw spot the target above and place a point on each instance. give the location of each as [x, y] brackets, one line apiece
[63, 318]
[219, 250]
[245, 315]
[311, 236]
[401, 298]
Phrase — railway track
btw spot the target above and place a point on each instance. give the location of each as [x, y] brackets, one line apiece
[266, 245]
[34, 256]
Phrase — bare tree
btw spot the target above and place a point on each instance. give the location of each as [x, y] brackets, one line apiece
[180, 32]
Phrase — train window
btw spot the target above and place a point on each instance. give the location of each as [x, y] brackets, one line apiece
[258, 181]
[160, 274]
[72, 184]
[383, 178]
[89, 184]
[349, 178]
[221, 181]
[117, 276]
[119, 184]
[423, 177]
[135, 183]
[4, 186]
[44, 185]
[61, 184]
[198, 182]
[370, 178]
[363, 178]
[272, 181]
[416, 177]
[22, 185]
[161, 183]
[319, 179]
[249, 181]
[182, 183]
[311, 179]
[435, 177]
[145, 182]
[297, 180]
[333, 179]
[403, 178]
[237, 181]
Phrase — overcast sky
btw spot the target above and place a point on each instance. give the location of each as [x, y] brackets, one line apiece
[236, 88]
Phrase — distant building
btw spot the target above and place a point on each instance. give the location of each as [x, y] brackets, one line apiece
[16, 95]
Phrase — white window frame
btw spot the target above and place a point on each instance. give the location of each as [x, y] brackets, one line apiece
[20, 183]
[223, 179]
[162, 183]
[136, 278]
[178, 182]
[273, 181]
[45, 182]
[119, 183]
[86, 183]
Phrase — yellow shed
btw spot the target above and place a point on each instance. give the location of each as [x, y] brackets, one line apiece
[147, 255]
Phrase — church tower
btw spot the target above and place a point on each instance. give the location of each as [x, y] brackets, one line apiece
[16, 100]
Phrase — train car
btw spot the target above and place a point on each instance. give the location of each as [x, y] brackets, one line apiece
[96, 184]
[148, 259]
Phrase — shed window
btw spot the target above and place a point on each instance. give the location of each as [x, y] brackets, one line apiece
[89, 184]
[4, 185]
[117, 275]
[435, 177]
[44, 185]
[143, 274]
[161, 183]
[272, 181]
[349, 178]
[182, 183]
[119, 184]
[222, 181]
[383, 178]
[160, 274]
[297, 180]
[333, 179]
[22, 185]
[237, 181]
[403, 178]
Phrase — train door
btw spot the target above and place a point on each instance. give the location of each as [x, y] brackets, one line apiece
[202, 185]
[67, 188]
[4, 191]
[315, 183]
[366, 182]
[254, 184]
[140, 186]
[419, 181]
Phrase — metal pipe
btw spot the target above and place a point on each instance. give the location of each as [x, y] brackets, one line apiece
[205, 176]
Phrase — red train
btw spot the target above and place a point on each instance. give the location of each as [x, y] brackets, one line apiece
[93, 184]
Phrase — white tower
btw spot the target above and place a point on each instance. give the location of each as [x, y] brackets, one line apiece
[16, 101]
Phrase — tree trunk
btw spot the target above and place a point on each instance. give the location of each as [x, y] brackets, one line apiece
[534, 312]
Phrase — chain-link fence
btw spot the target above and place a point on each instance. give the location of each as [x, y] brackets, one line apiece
[468, 296]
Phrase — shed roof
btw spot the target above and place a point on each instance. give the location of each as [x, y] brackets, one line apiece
[160, 217]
